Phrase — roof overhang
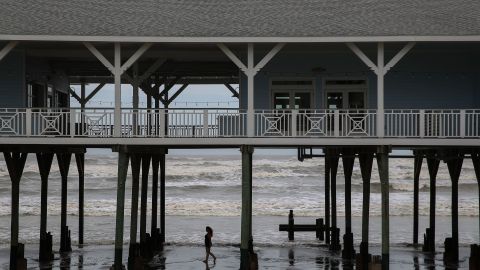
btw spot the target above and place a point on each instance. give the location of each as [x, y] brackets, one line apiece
[241, 39]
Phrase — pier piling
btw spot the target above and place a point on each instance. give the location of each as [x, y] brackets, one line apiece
[335, 237]
[366, 163]
[454, 165]
[154, 232]
[133, 250]
[44, 161]
[417, 167]
[429, 238]
[123, 160]
[476, 166]
[63, 159]
[348, 159]
[327, 197]
[162, 199]
[382, 161]
[80, 159]
[15, 164]
[246, 226]
[143, 204]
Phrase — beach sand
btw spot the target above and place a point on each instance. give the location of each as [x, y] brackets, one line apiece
[190, 257]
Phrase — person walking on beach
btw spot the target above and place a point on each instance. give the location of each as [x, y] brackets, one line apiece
[208, 245]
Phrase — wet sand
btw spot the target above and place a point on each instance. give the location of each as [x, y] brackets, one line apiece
[228, 257]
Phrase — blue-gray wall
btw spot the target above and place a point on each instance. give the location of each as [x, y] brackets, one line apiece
[12, 80]
[422, 79]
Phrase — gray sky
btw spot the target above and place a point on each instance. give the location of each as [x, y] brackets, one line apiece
[194, 96]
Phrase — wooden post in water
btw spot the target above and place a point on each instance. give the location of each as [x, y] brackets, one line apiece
[246, 222]
[327, 197]
[121, 179]
[429, 239]
[335, 237]
[162, 198]
[382, 161]
[63, 159]
[143, 202]
[80, 159]
[417, 167]
[366, 162]
[15, 165]
[133, 250]
[44, 161]
[348, 159]
[454, 165]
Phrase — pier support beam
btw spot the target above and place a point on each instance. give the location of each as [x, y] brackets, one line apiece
[348, 159]
[417, 167]
[123, 159]
[154, 231]
[327, 198]
[476, 166]
[429, 238]
[454, 165]
[44, 161]
[15, 165]
[143, 205]
[382, 161]
[80, 159]
[366, 162]
[162, 199]
[246, 229]
[63, 159]
[134, 250]
[335, 235]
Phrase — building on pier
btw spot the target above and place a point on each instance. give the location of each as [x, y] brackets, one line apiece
[357, 80]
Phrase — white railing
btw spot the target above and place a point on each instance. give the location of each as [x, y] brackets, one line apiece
[212, 123]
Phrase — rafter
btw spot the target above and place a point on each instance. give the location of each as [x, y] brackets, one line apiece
[75, 95]
[179, 91]
[5, 50]
[234, 92]
[94, 92]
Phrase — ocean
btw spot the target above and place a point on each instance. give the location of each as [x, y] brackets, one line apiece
[205, 189]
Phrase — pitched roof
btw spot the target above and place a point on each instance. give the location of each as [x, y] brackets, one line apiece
[240, 18]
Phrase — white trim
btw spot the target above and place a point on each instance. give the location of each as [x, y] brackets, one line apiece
[215, 142]
[240, 39]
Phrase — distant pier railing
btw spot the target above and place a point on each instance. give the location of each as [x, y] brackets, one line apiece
[208, 123]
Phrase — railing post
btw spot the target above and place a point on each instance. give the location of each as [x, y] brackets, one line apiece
[421, 125]
[205, 123]
[72, 122]
[462, 123]
[293, 126]
[161, 132]
[336, 123]
[28, 122]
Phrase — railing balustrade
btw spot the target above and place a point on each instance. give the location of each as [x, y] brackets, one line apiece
[214, 123]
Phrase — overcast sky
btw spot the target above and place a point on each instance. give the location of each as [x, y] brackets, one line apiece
[195, 96]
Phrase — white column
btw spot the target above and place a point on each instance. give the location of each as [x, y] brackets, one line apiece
[250, 70]
[251, 82]
[380, 89]
[118, 92]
